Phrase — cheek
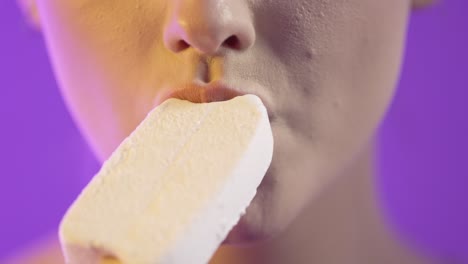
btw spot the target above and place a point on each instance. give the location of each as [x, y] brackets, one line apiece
[103, 65]
[365, 84]
[76, 70]
[356, 77]
[320, 131]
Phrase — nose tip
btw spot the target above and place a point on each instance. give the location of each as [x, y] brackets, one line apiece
[209, 27]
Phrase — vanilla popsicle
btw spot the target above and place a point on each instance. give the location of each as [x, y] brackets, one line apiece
[173, 189]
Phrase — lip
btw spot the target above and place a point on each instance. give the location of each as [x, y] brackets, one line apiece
[196, 93]
[213, 92]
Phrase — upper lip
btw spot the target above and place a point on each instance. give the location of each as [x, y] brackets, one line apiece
[197, 93]
[206, 93]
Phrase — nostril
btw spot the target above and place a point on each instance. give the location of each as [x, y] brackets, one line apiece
[232, 42]
[181, 45]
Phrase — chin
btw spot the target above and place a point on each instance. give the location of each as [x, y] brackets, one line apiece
[259, 223]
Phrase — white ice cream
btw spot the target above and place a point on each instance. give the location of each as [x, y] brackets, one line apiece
[175, 187]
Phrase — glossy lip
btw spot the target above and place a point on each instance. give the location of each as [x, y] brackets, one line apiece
[213, 92]
[195, 93]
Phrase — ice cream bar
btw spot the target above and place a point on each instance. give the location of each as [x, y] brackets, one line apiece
[173, 189]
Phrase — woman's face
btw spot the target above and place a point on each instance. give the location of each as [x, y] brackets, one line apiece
[325, 69]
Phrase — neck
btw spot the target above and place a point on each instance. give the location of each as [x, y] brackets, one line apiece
[344, 225]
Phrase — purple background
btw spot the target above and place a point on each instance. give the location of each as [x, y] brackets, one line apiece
[423, 156]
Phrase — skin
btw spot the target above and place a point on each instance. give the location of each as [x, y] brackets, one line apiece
[326, 70]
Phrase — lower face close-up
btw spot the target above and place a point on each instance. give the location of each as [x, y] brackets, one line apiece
[322, 73]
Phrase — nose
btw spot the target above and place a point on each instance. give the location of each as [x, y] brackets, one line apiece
[209, 26]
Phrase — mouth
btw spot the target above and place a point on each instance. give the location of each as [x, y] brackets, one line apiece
[196, 93]
[213, 92]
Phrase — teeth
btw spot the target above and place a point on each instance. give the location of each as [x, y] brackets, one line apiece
[173, 189]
